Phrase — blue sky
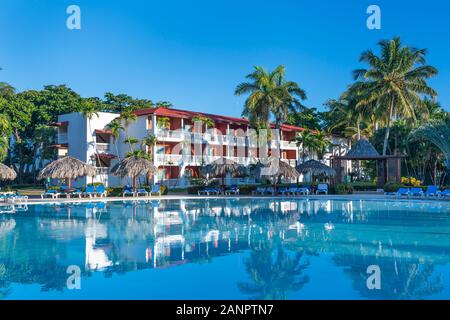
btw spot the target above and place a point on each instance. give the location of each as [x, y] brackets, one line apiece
[194, 53]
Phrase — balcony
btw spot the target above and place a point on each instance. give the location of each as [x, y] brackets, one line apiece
[102, 170]
[170, 159]
[291, 162]
[165, 134]
[288, 144]
[103, 147]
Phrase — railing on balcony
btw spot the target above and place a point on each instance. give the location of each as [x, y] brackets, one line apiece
[170, 159]
[102, 170]
[291, 162]
[103, 147]
[288, 144]
[172, 134]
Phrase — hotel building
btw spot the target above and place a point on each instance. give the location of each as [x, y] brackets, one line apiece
[185, 141]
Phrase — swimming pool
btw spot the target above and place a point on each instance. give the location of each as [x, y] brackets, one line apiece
[244, 248]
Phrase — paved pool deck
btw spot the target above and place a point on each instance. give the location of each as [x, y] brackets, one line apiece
[353, 197]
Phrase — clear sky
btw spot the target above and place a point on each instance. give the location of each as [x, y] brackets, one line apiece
[194, 53]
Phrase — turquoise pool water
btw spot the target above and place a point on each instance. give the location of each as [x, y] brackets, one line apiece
[226, 249]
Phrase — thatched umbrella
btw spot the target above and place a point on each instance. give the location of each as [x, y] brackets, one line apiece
[6, 173]
[274, 168]
[221, 167]
[67, 168]
[316, 168]
[132, 167]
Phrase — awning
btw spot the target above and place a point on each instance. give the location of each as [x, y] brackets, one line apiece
[104, 156]
[60, 124]
[103, 131]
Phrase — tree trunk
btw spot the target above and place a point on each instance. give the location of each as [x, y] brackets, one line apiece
[388, 127]
[134, 184]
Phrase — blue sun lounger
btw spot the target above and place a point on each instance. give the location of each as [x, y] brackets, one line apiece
[416, 192]
[432, 191]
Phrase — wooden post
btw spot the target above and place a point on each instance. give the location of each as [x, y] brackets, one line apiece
[134, 183]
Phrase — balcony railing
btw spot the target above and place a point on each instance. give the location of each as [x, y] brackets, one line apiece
[291, 162]
[172, 134]
[103, 147]
[102, 170]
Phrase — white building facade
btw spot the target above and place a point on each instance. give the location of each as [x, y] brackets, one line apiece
[185, 141]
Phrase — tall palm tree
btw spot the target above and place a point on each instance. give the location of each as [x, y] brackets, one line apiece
[126, 118]
[150, 142]
[395, 81]
[131, 141]
[89, 110]
[116, 127]
[269, 94]
[305, 140]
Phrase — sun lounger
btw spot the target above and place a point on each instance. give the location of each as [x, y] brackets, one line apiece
[444, 194]
[322, 188]
[77, 192]
[142, 191]
[100, 191]
[232, 190]
[402, 192]
[432, 191]
[90, 191]
[259, 190]
[127, 191]
[416, 192]
[50, 193]
[302, 190]
[269, 190]
[156, 188]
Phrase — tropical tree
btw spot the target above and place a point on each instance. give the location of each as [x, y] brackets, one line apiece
[116, 127]
[150, 141]
[163, 122]
[438, 132]
[90, 110]
[269, 94]
[131, 141]
[312, 142]
[395, 82]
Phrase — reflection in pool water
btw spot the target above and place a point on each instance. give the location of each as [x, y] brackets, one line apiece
[227, 249]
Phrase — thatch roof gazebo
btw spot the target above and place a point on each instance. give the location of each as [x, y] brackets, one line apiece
[7, 173]
[221, 167]
[363, 148]
[132, 167]
[67, 168]
[316, 168]
[388, 167]
[274, 168]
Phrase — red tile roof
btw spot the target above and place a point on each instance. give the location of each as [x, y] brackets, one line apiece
[176, 113]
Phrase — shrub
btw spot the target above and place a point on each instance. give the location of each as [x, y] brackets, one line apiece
[95, 184]
[392, 186]
[114, 191]
[247, 189]
[194, 189]
[342, 188]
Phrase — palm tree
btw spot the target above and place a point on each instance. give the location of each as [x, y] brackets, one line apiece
[163, 122]
[127, 117]
[89, 110]
[150, 142]
[115, 128]
[305, 140]
[270, 94]
[131, 141]
[6, 89]
[395, 81]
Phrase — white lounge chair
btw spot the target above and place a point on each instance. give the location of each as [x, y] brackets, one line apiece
[322, 188]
